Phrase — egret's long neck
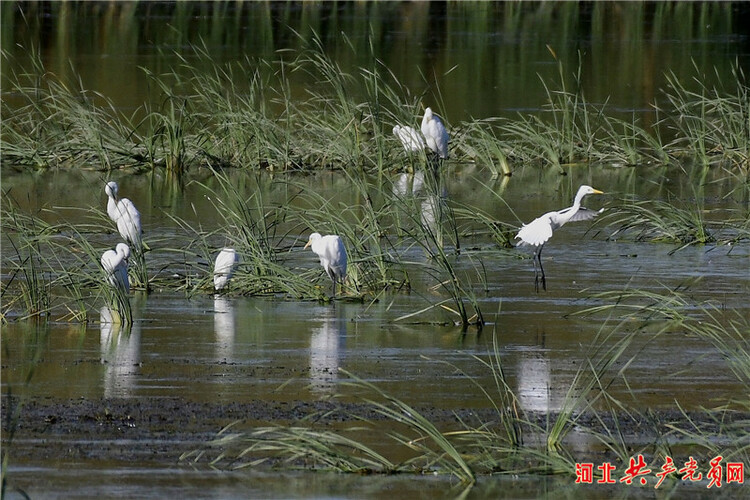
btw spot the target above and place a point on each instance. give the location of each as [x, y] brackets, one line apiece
[579, 198]
[112, 207]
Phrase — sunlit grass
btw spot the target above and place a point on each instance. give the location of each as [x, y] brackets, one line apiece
[659, 221]
[245, 114]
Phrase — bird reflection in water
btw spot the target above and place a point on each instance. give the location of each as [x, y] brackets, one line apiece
[326, 342]
[224, 328]
[534, 391]
[120, 346]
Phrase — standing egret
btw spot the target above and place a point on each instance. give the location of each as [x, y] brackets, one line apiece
[330, 249]
[115, 264]
[410, 138]
[537, 232]
[224, 267]
[125, 215]
[435, 134]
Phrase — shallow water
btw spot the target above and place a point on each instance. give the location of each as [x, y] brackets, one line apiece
[238, 349]
[242, 349]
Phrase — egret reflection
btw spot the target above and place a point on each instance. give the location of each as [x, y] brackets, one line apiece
[534, 389]
[224, 328]
[326, 343]
[409, 184]
[120, 346]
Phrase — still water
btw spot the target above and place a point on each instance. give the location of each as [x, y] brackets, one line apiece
[486, 57]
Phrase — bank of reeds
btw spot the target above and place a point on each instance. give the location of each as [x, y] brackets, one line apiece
[711, 124]
[251, 114]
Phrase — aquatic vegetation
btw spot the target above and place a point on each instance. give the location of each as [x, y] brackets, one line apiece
[659, 221]
[244, 114]
[711, 125]
[35, 283]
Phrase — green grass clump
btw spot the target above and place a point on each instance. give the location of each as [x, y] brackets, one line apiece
[711, 125]
[659, 221]
[249, 114]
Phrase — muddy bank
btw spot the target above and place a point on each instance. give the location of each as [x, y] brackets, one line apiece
[159, 430]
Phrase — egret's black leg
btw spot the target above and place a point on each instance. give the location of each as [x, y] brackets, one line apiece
[539, 258]
[536, 274]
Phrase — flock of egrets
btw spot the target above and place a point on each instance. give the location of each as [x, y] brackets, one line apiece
[330, 248]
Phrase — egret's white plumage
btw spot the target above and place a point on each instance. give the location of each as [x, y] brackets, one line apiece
[330, 249]
[410, 138]
[435, 134]
[537, 232]
[115, 264]
[224, 267]
[123, 212]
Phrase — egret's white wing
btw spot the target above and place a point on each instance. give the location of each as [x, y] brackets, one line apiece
[224, 267]
[129, 222]
[335, 253]
[116, 267]
[410, 138]
[109, 261]
[536, 232]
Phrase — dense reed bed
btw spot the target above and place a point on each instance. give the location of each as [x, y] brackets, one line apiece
[244, 115]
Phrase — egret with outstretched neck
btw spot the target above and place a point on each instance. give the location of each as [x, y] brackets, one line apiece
[537, 232]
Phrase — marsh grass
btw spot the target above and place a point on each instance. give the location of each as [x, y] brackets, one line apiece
[55, 270]
[432, 226]
[710, 124]
[249, 226]
[480, 142]
[722, 429]
[659, 221]
[249, 114]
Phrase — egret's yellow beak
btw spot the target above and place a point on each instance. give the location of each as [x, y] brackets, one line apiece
[308, 243]
[596, 191]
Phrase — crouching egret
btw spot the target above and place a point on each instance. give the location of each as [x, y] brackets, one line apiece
[435, 134]
[115, 265]
[410, 138]
[537, 232]
[330, 249]
[125, 215]
[224, 267]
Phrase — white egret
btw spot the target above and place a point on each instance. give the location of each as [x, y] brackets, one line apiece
[125, 215]
[330, 249]
[537, 232]
[410, 138]
[435, 134]
[224, 267]
[115, 264]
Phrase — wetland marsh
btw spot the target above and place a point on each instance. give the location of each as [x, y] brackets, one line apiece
[440, 360]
